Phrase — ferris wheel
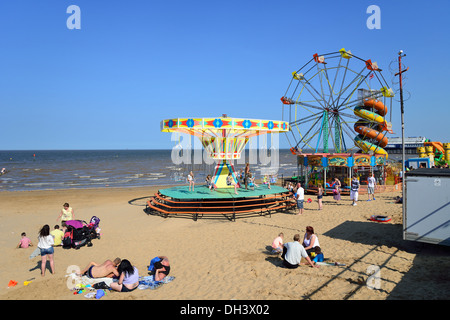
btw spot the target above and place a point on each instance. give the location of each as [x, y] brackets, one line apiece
[338, 102]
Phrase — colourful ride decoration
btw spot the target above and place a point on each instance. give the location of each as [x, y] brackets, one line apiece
[332, 96]
[224, 138]
[371, 127]
[329, 94]
[437, 152]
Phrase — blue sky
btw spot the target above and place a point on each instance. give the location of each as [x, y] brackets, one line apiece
[134, 63]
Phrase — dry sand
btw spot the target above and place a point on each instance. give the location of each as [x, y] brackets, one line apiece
[220, 259]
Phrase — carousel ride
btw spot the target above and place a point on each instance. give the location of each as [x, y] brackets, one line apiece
[224, 140]
[337, 107]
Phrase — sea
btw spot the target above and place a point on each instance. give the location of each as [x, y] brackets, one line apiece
[79, 169]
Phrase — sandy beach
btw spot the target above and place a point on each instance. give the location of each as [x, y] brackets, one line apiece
[219, 259]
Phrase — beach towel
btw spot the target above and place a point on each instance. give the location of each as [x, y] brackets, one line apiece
[149, 282]
[78, 281]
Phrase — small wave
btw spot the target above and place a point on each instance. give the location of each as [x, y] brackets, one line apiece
[135, 176]
[84, 177]
[43, 184]
[99, 179]
[121, 181]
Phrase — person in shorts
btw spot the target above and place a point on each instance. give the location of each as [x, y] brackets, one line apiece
[45, 245]
[371, 183]
[354, 188]
[300, 197]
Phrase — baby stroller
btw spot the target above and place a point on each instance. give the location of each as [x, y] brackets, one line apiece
[94, 227]
[79, 233]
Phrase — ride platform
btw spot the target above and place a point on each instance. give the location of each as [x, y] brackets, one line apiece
[180, 202]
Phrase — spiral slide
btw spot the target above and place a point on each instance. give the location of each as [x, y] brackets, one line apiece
[371, 126]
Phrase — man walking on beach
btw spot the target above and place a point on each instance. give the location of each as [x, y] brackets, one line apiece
[300, 196]
[106, 269]
[371, 184]
[354, 190]
[293, 253]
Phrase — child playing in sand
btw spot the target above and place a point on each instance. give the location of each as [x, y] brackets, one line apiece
[277, 244]
[317, 255]
[24, 242]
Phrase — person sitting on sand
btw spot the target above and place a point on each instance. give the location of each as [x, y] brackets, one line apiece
[293, 253]
[317, 255]
[210, 184]
[161, 268]
[310, 240]
[231, 182]
[190, 180]
[107, 269]
[58, 235]
[25, 242]
[128, 279]
[277, 244]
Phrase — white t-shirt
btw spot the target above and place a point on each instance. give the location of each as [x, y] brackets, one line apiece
[307, 242]
[300, 194]
[295, 252]
[371, 182]
[45, 242]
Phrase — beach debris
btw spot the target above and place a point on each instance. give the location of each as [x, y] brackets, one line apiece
[100, 293]
[330, 264]
[378, 218]
[12, 283]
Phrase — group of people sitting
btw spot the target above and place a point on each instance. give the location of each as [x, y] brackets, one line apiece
[293, 252]
[125, 273]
